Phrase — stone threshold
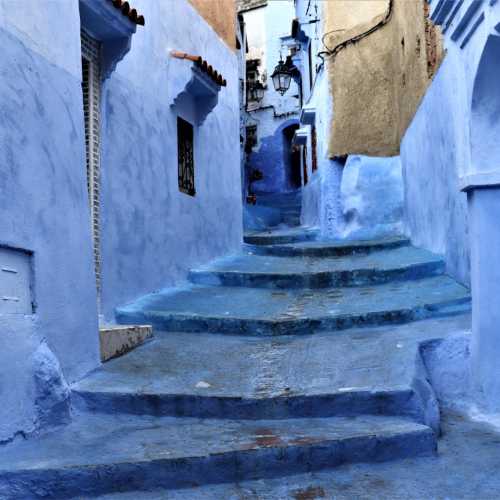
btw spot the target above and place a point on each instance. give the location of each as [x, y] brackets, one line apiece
[117, 340]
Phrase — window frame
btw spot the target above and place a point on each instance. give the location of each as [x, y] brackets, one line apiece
[186, 156]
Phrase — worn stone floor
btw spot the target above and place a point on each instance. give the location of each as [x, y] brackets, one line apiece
[254, 377]
[269, 367]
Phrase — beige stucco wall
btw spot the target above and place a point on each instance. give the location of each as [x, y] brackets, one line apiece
[221, 15]
[377, 82]
[347, 14]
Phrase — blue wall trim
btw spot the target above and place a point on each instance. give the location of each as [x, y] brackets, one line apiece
[471, 32]
[444, 11]
[466, 19]
[453, 15]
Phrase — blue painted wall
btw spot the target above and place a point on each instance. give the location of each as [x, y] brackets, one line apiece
[451, 143]
[44, 208]
[151, 233]
[273, 159]
[434, 153]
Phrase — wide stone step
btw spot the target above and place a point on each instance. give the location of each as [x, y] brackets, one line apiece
[98, 454]
[280, 236]
[214, 376]
[327, 248]
[404, 263]
[260, 311]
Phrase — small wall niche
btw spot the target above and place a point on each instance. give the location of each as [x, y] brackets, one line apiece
[16, 287]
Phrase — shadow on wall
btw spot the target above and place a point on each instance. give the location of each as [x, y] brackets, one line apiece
[274, 160]
[484, 212]
[485, 119]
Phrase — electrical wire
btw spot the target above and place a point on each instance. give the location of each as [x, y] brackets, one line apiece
[342, 45]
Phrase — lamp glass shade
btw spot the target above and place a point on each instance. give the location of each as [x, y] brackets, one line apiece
[281, 78]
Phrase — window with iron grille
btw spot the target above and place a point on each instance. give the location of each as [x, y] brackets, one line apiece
[185, 148]
[91, 87]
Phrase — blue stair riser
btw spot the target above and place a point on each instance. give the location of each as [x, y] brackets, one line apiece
[326, 251]
[335, 279]
[403, 403]
[252, 462]
[277, 239]
[291, 220]
[299, 326]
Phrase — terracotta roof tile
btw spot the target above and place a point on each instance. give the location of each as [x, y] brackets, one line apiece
[202, 65]
[128, 11]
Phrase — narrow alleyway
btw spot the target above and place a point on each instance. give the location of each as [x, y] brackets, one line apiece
[249, 249]
[256, 373]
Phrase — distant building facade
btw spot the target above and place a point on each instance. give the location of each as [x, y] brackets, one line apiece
[271, 119]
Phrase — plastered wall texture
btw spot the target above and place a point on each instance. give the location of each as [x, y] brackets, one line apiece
[377, 82]
[372, 194]
[452, 136]
[321, 203]
[44, 207]
[151, 233]
[221, 15]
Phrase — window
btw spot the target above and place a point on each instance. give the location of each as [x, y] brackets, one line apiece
[185, 149]
[304, 164]
[91, 87]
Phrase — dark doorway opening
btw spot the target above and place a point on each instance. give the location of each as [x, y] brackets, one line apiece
[291, 158]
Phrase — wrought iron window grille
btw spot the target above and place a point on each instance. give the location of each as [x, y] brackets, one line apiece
[185, 149]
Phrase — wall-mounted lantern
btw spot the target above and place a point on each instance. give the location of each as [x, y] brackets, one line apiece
[281, 77]
[255, 91]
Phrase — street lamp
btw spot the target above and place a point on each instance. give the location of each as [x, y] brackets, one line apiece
[281, 77]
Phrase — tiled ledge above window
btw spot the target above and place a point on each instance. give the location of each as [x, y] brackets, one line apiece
[194, 86]
[111, 22]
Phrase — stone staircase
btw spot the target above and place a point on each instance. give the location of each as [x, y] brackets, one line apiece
[261, 367]
[287, 205]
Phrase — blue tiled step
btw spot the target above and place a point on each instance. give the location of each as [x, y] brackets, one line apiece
[98, 454]
[404, 263]
[327, 248]
[279, 236]
[260, 311]
[219, 376]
